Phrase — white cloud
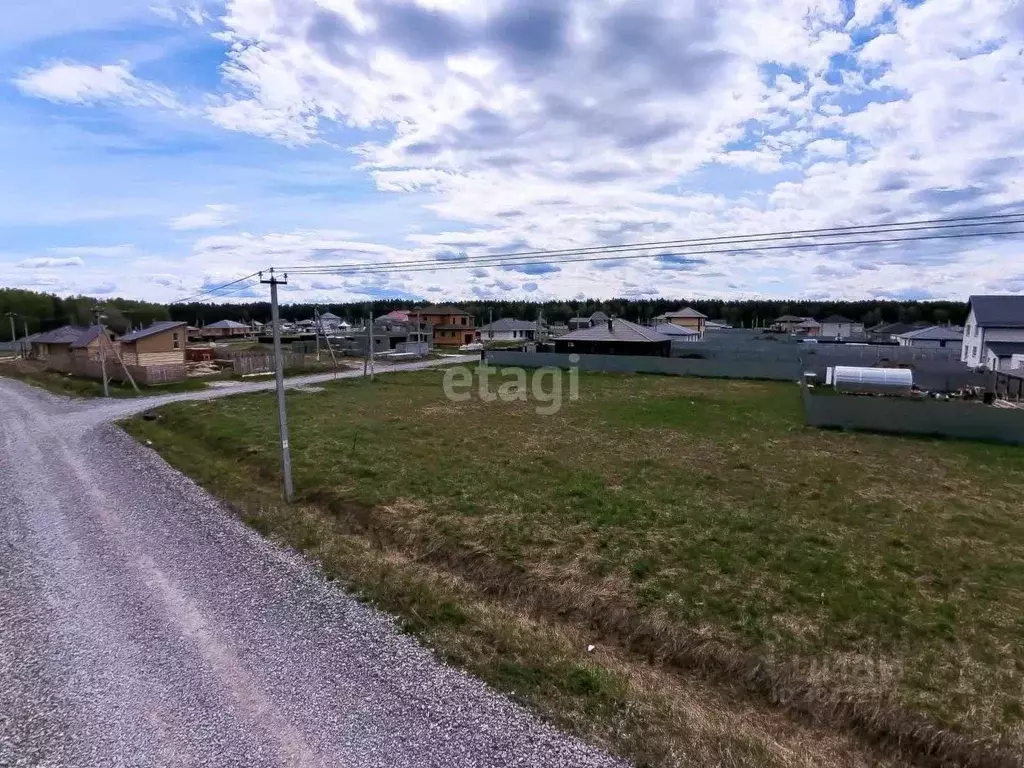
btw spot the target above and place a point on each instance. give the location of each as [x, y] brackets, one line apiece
[86, 84]
[564, 123]
[827, 147]
[41, 262]
[210, 217]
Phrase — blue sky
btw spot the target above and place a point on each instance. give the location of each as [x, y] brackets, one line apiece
[151, 148]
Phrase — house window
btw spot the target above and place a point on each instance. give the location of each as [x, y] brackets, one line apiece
[176, 340]
[463, 319]
[974, 351]
[975, 330]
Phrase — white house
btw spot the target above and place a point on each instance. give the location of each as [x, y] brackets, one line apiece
[936, 337]
[508, 330]
[994, 332]
[839, 327]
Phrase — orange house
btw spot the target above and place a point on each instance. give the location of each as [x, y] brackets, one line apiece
[452, 326]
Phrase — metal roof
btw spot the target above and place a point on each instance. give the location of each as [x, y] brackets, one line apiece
[66, 334]
[1005, 348]
[684, 312]
[933, 333]
[227, 324]
[621, 330]
[329, 316]
[439, 309]
[155, 328]
[508, 324]
[788, 319]
[668, 329]
[85, 339]
[998, 311]
[837, 319]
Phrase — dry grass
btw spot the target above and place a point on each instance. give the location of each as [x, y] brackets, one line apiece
[719, 554]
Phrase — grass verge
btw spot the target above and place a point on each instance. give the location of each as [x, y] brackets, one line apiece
[74, 386]
[719, 555]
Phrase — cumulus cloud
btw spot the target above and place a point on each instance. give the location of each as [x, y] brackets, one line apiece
[568, 123]
[86, 84]
[210, 217]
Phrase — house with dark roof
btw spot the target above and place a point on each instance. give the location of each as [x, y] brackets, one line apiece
[839, 327]
[994, 331]
[162, 343]
[615, 337]
[55, 345]
[575, 323]
[889, 331]
[508, 329]
[935, 337]
[94, 343]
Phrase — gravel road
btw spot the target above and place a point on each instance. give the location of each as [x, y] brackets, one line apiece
[141, 624]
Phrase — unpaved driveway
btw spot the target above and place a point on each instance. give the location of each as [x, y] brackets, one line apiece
[142, 625]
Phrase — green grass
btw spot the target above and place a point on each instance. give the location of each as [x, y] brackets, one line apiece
[74, 386]
[687, 526]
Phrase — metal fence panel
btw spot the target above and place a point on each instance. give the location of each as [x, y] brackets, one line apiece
[968, 421]
[719, 367]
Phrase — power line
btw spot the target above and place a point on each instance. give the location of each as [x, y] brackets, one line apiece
[873, 229]
[442, 266]
[208, 291]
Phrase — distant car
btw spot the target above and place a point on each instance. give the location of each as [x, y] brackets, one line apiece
[476, 346]
[808, 341]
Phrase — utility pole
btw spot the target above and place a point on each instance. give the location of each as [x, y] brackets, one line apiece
[282, 415]
[317, 329]
[368, 360]
[98, 318]
[14, 333]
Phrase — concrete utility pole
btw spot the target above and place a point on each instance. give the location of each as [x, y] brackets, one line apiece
[368, 360]
[282, 416]
[14, 333]
[98, 318]
[317, 329]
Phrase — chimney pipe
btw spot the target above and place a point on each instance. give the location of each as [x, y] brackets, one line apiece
[610, 325]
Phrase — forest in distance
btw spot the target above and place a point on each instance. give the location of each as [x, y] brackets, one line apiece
[43, 311]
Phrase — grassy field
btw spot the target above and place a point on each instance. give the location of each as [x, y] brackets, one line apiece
[74, 386]
[757, 592]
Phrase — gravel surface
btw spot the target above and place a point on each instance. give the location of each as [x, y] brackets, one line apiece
[141, 624]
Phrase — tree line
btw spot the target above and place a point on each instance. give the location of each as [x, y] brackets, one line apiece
[43, 311]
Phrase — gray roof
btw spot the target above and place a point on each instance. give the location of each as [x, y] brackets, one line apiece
[668, 329]
[155, 328]
[837, 319]
[599, 317]
[934, 333]
[998, 311]
[227, 324]
[329, 316]
[788, 319]
[894, 329]
[508, 324]
[684, 312]
[621, 330]
[808, 322]
[66, 334]
[84, 339]
[1005, 348]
